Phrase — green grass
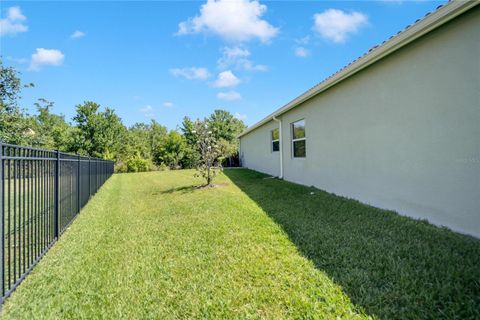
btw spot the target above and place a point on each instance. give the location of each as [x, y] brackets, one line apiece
[150, 245]
[393, 267]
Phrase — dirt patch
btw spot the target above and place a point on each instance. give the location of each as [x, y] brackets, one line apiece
[213, 185]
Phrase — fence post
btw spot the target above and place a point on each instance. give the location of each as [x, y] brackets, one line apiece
[2, 232]
[78, 183]
[89, 178]
[57, 197]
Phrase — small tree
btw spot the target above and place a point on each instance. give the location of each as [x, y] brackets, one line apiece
[208, 150]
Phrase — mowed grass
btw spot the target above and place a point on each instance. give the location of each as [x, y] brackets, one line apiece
[150, 246]
[393, 267]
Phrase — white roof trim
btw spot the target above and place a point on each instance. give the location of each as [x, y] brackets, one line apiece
[422, 26]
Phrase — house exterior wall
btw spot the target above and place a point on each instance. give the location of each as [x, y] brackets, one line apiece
[402, 134]
[256, 150]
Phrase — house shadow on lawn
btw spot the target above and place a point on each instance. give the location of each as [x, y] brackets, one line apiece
[392, 266]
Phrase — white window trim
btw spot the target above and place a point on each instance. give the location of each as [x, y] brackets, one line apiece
[272, 141]
[298, 139]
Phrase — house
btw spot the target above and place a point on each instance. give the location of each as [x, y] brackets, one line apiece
[398, 128]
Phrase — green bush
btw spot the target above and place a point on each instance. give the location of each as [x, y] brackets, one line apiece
[137, 164]
[134, 164]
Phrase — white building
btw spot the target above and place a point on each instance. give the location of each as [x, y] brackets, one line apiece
[398, 128]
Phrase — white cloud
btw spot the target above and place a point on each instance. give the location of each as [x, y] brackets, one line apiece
[239, 116]
[303, 41]
[231, 55]
[77, 34]
[192, 73]
[46, 57]
[336, 25]
[17, 60]
[226, 79]
[168, 104]
[229, 96]
[302, 52]
[250, 66]
[147, 111]
[13, 23]
[238, 57]
[238, 20]
[15, 14]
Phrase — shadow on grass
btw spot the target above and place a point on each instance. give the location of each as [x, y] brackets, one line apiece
[183, 189]
[188, 189]
[392, 266]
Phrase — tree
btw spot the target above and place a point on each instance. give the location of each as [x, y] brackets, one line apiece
[188, 128]
[10, 86]
[157, 134]
[50, 131]
[142, 141]
[171, 151]
[208, 164]
[86, 128]
[191, 155]
[98, 133]
[13, 122]
[101, 133]
[226, 128]
[138, 141]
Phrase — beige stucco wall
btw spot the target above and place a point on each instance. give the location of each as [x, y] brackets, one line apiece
[403, 134]
[256, 151]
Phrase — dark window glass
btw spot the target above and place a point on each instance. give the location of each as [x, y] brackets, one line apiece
[298, 129]
[276, 146]
[275, 140]
[299, 149]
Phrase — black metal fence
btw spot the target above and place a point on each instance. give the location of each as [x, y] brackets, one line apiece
[41, 194]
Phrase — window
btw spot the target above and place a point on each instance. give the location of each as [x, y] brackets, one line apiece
[299, 142]
[275, 140]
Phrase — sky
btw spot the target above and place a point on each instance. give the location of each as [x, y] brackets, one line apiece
[164, 60]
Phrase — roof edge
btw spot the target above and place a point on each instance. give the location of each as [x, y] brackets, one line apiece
[429, 22]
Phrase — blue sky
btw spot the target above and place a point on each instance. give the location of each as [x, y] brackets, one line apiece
[165, 60]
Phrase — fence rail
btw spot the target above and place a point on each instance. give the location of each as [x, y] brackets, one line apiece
[42, 191]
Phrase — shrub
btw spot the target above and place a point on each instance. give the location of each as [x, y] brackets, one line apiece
[137, 164]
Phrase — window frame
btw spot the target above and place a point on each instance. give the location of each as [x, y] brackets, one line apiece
[292, 129]
[274, 140]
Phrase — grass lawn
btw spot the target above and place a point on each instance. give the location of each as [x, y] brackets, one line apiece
[149, 245]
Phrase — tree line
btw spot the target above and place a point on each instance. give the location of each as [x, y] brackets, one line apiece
[100, 132]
